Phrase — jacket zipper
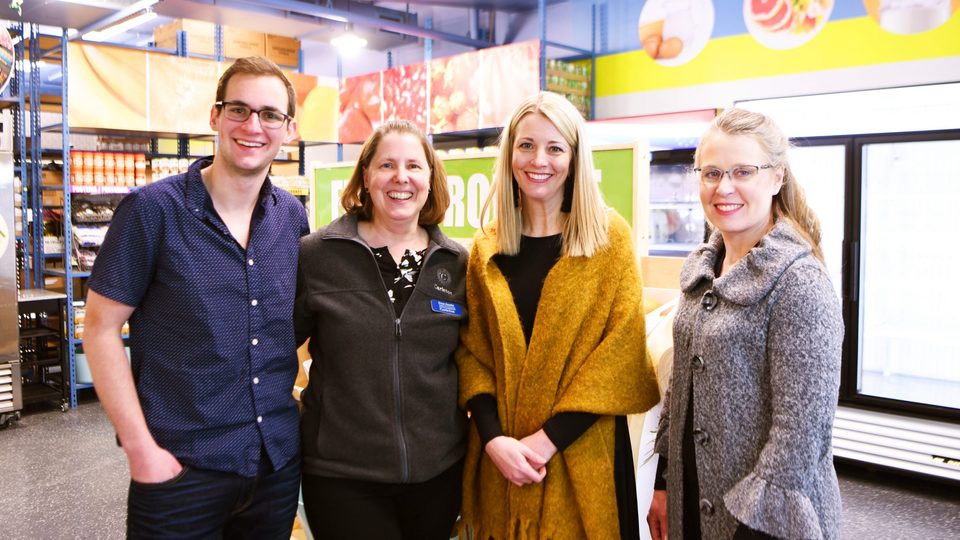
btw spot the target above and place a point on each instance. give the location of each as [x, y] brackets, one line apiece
[398, 334]
[397, 389]
[398, 402]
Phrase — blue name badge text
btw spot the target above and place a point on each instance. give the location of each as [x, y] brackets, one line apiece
[450, 308]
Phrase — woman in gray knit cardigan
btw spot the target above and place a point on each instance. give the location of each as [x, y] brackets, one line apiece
[746, 429]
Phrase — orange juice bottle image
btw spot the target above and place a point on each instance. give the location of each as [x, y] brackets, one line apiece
[140, 169]
[98, 176]
[76, 167]
[87, 168]
[130, 169]
[109, 169]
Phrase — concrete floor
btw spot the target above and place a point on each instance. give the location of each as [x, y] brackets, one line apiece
[63, 476]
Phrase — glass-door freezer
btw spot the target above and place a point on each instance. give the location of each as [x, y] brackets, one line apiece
[909, 345]
[884, 209]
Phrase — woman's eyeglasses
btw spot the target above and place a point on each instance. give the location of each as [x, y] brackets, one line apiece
[737, 173]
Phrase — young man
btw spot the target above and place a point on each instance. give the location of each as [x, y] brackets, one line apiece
[203, 264]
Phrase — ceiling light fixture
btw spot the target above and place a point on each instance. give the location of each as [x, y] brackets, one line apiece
[122, 26]
[348, 43]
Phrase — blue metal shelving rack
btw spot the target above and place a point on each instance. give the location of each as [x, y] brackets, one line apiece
[28, 89]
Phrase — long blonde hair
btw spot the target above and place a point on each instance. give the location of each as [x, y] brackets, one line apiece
[790, 203]
[584, 212]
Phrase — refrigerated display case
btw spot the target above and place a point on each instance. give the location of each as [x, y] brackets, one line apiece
[676, 215]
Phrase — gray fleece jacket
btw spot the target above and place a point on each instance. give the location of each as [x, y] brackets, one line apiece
[381, 404]
[759, 348]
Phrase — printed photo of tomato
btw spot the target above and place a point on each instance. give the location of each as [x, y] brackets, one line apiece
[454, 90]
[359, 107]
[405, 94]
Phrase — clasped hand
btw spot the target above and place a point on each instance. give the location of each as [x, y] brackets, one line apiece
[522, 461]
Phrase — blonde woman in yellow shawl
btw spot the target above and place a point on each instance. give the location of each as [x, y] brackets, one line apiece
[552, 356]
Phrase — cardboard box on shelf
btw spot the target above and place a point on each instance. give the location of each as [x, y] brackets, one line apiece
[200, 35]
[53, 244]
[44, 42]
[52, 198]
[284, 51]
[54, 283]
[51, 178]
[240, 42]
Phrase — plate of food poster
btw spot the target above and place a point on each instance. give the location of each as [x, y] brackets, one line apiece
[673, 32]
[911, 16]
[785, 24]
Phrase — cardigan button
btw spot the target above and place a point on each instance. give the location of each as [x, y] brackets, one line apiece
[697, 363]
[701, 437]
[706, 507]
[709, 300]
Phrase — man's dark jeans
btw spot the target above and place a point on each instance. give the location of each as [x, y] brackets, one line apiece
[206, 504]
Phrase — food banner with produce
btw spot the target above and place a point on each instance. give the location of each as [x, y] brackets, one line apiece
[123, 89]
[618, 169]
[703, 54]
[465, 92]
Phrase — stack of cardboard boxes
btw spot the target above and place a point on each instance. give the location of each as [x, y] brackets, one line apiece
[237, 42]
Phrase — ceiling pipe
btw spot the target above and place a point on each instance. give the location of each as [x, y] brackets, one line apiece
[340, 15]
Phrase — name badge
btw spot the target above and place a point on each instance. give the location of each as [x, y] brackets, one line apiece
[450, 308]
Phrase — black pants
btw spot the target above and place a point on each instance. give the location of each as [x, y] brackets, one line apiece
[346, 509]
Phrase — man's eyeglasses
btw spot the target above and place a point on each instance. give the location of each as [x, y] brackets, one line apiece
[239, 112]
[739, 173]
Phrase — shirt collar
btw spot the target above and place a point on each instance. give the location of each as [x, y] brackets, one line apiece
[198, 198]
[753, 276]
[346, 227]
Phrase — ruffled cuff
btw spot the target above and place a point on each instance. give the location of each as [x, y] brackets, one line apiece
[766, 507]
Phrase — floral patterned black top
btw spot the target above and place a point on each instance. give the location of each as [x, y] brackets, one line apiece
[399, 279]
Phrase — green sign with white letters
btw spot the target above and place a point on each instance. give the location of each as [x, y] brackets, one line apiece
[468, 177]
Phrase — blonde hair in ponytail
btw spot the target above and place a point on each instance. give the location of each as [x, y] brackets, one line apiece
[791, 202]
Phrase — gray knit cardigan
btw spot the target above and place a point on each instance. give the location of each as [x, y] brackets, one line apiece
[759, 348]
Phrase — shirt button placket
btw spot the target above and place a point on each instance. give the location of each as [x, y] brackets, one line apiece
[254, 321]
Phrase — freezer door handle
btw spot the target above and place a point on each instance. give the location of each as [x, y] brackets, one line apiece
[852, 270]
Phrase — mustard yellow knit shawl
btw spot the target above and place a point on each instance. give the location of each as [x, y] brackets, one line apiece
[586, 354]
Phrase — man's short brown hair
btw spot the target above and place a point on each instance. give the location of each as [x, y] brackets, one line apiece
[260, 66]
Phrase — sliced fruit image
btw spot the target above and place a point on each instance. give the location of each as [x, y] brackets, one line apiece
[772, 15]
[799, 18]
[764, 10]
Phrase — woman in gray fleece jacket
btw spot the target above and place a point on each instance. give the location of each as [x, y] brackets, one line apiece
[746, 429]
